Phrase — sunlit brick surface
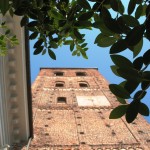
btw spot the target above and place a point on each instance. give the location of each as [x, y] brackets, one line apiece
[68, 126]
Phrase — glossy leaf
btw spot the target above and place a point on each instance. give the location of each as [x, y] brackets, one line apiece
[4, 6]
[131, 6]
[138, 63]
[118, 112]
[85, 16]
[139, 11]
[121, 61]
[146, 57]
[121, 100]
[139, 95]
[129, 74]
[132, 111]
[104, 41]
[119, 91]
[145, 85]
[135, 35]
[131, 85]
[84, 4]
[119, 46]
[114, 70]
[38, 50]
[130, 20]
[51, 54]
[143, 109]
[38, 43]
[33, 35]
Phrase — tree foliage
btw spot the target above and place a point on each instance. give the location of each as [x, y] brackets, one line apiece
[60, 22]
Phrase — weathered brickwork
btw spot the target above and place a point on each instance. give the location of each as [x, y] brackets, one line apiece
[64, 125]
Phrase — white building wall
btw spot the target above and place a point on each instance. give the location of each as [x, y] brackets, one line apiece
[14, 117]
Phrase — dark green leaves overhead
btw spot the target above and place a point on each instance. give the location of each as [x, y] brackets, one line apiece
[119, 46]
[4, 6]
[84, 4]
[146, 57]
[131, 6]
[121, 61]
[119, 91]
[118, 112]
[135, 35]
[51, 54]
[143, 109]
[104, 41]
[85, 16]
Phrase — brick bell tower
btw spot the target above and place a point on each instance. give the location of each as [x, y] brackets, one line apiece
[71, 108]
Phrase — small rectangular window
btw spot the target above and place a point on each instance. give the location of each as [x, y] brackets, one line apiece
[58, 73]
[61, 100]
[81, 74]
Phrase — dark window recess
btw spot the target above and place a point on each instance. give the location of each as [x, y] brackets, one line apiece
[59, 85]
[81, 74]
[83, 84]
[61, 100]
[58, 73]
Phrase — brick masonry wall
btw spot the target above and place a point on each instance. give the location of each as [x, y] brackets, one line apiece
[68, 126]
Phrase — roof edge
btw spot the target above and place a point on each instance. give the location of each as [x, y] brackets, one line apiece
[68, 68]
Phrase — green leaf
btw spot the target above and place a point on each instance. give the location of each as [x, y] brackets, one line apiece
[77, 34]
[74, 53]
[104, 41]
[83, 54]
[131, 85]
[53, 44]
[38, 43]
[137, 48]
[138, 63]
[129, 74]
[38, 50]
[131, 6]
[118, 112]
[33, 23]
[143, 109]
[121, 61]
[146, 57]
[146, 76]
[117, 5]
[84, 4]
[55, 14]
[85, 16]
[139, 95]
[72, 46]
[130, 20]
[132, 111]
[51, 54]
[119, 46]
[4, 6]
[68, 42]
[145, 85]
[119, 91]
[135, 35]
[121, 100]
[24, 21]
[44, 52]
[114, 70]
[139, 11]
[33, 35]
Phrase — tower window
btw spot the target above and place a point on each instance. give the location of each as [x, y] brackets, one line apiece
[83, 84]
[59, 84]
[58, 73]
[61, 100]
[81, 74]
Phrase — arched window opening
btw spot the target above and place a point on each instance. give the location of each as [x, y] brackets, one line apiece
[59, 84]
[83, 84]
